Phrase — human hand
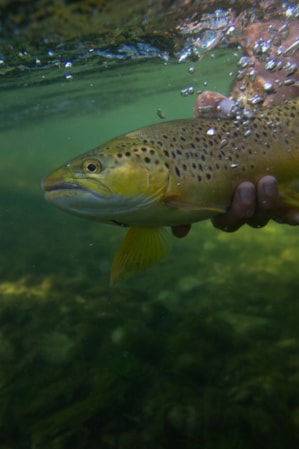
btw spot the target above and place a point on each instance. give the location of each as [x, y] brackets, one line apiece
[254, 205]
[251, 204]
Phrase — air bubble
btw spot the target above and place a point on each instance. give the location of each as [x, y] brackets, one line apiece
[257, 99]
[290, 68]
[269, 88]
[261, 47]
[240, 75]
[223, 143]
[211, 132]
[187, 91]
[184, 92]
[234, 165]
[231, 31]
[68, 65]
[191, 70]
[271, 65]
[245, 62]
[252, 75]
[289, 82]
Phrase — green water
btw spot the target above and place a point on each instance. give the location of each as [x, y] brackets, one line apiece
[201, 351]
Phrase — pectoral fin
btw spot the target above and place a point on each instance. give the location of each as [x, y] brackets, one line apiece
[174, 201]
[140, 249]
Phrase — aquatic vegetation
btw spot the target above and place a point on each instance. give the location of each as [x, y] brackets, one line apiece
[122, 367]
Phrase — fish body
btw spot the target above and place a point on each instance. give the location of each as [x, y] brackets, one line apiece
[175, 173]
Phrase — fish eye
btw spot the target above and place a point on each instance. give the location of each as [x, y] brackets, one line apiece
[92, 166]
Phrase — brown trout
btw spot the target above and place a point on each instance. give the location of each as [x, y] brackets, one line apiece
[175, 173]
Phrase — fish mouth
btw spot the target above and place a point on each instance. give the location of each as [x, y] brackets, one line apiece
[70, 187]
[70, 195]
[59, 185]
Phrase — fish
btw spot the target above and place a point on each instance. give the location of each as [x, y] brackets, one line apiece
[175, 173]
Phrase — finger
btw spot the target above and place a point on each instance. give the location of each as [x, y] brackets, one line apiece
[243, 206]
[258, 221]
[226, 222]
[181, 230]
[287, 215]
[267, 200]
[244, 201]
[292, 217]
[267, 193]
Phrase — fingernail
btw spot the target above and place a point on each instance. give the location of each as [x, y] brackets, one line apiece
[246, 195]
[269, 188]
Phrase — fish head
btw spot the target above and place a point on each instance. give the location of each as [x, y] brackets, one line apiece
[114, 183]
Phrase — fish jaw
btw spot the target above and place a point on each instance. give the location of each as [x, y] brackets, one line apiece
[83, 197]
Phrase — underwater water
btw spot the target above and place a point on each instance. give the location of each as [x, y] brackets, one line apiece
[200, 351]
